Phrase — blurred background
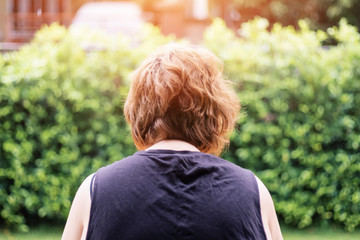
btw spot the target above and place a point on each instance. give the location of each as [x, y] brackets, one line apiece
[19, 19]
[64, 76]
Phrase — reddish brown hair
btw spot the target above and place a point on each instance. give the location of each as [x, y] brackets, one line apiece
[179, 93]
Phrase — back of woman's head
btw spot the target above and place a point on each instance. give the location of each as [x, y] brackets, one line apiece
[179, 93]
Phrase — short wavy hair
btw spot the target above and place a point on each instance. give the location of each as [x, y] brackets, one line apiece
[179, 92]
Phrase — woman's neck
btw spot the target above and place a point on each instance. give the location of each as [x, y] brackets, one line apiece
[173, 144]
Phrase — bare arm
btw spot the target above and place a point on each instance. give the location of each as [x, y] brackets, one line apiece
[78, 219]
[268, 214]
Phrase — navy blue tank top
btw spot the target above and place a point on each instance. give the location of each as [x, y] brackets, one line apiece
[183, 195]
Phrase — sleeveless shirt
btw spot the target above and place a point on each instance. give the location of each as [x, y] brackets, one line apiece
[183, 195]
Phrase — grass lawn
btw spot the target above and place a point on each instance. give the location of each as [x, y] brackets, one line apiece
[319, 234]
[43, 232]
[54, 233]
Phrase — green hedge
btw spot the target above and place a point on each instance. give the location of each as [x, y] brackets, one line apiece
[300, 130]
[61, 118]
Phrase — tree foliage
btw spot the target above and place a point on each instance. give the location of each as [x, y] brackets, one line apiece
[320, 13]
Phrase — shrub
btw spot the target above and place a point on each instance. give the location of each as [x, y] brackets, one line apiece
[300, 127]
[61, 119]
[61, 99]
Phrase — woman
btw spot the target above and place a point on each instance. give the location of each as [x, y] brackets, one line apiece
[181, 112]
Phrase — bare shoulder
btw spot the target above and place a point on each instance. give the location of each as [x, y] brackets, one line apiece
[264, 192]
[85, 186]
[268, 214]
[76, 224]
